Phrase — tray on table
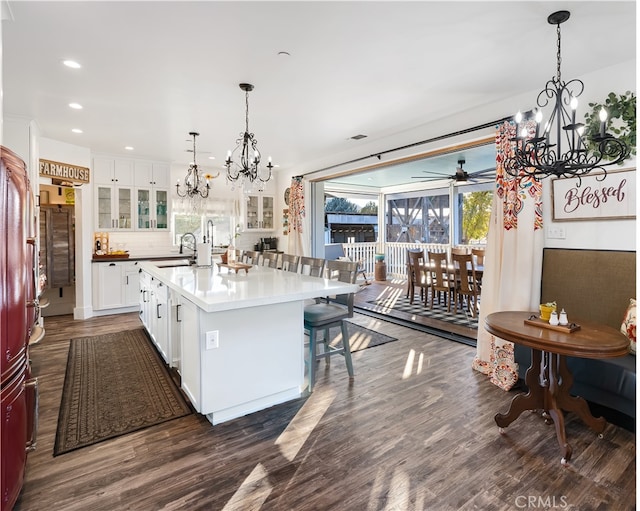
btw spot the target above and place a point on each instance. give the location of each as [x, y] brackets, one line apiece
[536, 321]
[235, 266]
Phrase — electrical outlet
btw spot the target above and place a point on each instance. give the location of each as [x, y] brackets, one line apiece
[212, 339]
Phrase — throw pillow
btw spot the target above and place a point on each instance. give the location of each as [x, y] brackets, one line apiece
[628, 326]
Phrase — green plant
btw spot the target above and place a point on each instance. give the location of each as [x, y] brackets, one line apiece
[621, 111]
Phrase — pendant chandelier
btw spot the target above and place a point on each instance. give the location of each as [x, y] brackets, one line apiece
[561, 148]
[243, 164]
[196, 184]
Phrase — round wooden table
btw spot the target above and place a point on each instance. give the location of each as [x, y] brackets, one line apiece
[548, 378]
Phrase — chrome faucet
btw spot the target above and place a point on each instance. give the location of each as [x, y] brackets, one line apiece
[195, 242]
[210, 228]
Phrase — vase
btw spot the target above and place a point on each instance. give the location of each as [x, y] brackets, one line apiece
[223, 257]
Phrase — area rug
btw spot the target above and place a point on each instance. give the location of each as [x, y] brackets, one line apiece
[399, 302]
[360, 337]
[114, 384]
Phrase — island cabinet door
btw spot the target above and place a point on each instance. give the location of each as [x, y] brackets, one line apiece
[190, 348]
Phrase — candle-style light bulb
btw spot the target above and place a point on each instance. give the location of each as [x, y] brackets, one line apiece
[574, 103]
[538, 121]
[603, 121]
[519, 117]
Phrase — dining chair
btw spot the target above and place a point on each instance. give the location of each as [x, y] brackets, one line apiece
[331, 312]
[251, 257]
[459, 250]
[442, 279]
[478, 254]
[420, 276]
[313, 266]
[466, 283]
[478, 260]
[269, 259]
[410, 276]
[290, 262]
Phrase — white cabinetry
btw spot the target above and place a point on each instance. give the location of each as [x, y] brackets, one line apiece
[159, 321]
[115, 284]
[191, 346]
[152, 196]
[131, 283]
[259, 212]
[113, 202]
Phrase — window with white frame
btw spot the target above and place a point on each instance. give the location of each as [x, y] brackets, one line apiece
[215, 217]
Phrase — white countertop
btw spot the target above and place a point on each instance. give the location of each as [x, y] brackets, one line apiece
[213, 289]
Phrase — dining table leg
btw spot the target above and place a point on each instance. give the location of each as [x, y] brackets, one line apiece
[549, 381]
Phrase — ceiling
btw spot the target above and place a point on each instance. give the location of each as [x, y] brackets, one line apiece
[154, 71]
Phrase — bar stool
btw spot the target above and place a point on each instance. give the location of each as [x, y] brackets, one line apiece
[327, 313]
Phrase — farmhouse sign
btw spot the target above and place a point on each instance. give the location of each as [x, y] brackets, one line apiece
[612, 198]
[64, 171]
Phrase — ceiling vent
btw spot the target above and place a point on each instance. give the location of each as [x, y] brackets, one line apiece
[358, 137]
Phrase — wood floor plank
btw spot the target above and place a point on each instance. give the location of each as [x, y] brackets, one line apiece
[414, 431]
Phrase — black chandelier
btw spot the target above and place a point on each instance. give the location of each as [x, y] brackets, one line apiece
[195, 184]
[542, 154]
[244, 162]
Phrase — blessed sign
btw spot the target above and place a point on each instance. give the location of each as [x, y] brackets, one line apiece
[64, 171]
[595, 198]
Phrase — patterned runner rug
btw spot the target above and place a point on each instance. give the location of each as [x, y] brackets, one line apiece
[114, 384]
[399, 302]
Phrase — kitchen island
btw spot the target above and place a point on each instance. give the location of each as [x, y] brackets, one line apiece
[237, 339]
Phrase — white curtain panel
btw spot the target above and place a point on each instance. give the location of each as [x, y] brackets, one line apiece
[513, 260]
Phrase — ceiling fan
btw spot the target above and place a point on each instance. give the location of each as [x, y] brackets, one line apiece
[461, 175]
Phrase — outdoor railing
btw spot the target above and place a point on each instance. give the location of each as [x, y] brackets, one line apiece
[395, 255]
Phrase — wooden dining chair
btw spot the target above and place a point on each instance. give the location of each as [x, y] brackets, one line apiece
[313, 266]
[442, 279]
[420, 276]
[466, 282]
[270, 259]
[410, 276]
[331, 312]
[290, 262]
[478, 254]
[251, 257]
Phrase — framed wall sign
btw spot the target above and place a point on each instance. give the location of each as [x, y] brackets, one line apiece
[612, 198]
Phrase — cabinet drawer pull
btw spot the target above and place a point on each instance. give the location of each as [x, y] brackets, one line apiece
[178, 313]
[158, 311]
[112, 264]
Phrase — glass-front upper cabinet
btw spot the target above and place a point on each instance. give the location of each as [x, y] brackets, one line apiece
[114, 208]
[259, 212]
[152, 209]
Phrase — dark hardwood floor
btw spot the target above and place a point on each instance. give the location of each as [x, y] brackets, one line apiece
[415, 431]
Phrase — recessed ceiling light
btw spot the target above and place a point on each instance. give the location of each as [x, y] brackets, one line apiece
[76, 130]
[75, 106]
[72, 64]
[212, 157]
[129, 148]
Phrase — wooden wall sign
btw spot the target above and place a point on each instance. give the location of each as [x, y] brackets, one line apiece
[612, 198]
[64, 171]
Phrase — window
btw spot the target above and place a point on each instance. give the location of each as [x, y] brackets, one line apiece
[422, 218]
[474, 210]
[216, 213]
